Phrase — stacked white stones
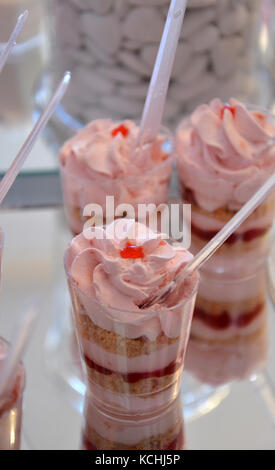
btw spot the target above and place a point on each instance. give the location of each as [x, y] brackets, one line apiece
[110, 47]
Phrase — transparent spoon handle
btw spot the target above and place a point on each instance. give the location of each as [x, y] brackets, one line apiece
[12, 40]
[228, 229]
[155, 100]
[25, 150]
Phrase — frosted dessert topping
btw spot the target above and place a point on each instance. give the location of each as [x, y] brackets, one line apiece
[122, 273]
[110, 149]
[225, 153]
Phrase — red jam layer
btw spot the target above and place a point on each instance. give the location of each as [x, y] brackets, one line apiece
[224, 320]
[247, 236]
[87, 445]
[133, 377]
[207, 235]
[176, 444]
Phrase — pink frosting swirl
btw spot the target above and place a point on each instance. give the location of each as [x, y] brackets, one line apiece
[225, 153]
[100, 268]
[103, 269]
[110, 149]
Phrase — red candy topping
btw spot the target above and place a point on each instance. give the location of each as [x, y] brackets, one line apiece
[260, 116]
[229, 108]
[121, 130]
[132, 251]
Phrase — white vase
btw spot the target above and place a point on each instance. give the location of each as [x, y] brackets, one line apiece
[110, 47]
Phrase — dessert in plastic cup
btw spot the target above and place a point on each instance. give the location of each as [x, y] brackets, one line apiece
[133, 357]
[103, 159]
[224, 154]
[11, 407]
[228, 339]
[160, 431]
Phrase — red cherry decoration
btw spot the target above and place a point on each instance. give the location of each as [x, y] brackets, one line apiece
[120, 130]
[229, 108]
[132, 251]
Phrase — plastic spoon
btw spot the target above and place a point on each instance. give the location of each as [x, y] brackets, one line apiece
[214, 244]
[25, 150]
[12, 40]
[155, 100]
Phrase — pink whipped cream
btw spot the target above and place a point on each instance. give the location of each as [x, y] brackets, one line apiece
[225, 153]
[121, 272]
[110, 149]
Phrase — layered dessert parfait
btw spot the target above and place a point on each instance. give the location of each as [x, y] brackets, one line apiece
[133, 356]
[162, 431]
[224, 154]
[105, 159]
[228, 339]
[11, 407]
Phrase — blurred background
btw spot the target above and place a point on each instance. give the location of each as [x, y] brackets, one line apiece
[226, 49]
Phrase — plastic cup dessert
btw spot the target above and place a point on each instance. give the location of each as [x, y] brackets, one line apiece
[103, 159]
[228, 339]
[161, 431]
[133, 356]
[224, 154]
[11, 407]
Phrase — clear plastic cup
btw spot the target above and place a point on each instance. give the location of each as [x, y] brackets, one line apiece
[133, 359]
[11, 408]
[229, 332]
[148, 187]
[160, 431]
